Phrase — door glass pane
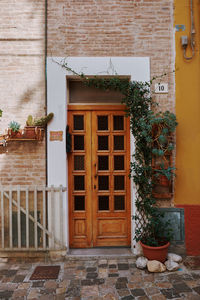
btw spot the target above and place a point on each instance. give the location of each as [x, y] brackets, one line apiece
[80, 93]
[103, 162]
[118, 122]
[103, 142]
[78, 142]
[118, 142]
[102, 122]
[119, 183]
[78, 162]
[103, 183]
[119, 203]
[118, 162]
[79, 203]
[103, 202]
[79, 183]
[78, 122]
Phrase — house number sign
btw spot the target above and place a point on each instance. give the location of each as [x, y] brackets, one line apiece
[56, 135]
[161, 88]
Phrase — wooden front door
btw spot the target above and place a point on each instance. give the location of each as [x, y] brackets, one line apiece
[99, 184]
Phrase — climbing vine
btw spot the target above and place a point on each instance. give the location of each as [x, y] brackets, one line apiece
[153, 135]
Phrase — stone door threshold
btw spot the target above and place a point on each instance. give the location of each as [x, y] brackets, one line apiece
[101, 252]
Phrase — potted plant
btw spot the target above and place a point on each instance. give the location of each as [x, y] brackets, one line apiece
[163, 127]
[163, 175]
[156, 236]
[34, 128]
[153, 167]
[14, 130]
[30, 130]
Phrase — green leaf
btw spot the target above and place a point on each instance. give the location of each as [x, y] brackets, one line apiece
[170, 147]
[155, 151]
[162, 139]
[165, 131]
[160, 152]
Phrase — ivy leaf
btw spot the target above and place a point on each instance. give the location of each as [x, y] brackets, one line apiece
[160, 152]
[155, 151]
[149, 139]
[162, 139]
[144, 133]
[165, 131]
[170, 147]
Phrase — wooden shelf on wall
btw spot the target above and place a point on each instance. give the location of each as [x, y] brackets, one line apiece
[21, 140]
[163, 196]
[28, 134]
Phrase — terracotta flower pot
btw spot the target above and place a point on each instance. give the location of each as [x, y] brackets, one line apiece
[34, 132]
[30, 132]
[155, 253]
[163, 180]
[15, 134]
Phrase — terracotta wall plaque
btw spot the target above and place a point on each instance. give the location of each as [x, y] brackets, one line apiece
[56, 135]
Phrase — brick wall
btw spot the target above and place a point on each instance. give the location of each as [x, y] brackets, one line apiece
[75, 28]
[116, 28]
[23, 163]
[22, 87]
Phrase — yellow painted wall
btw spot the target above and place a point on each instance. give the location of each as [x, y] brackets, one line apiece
[187, 185]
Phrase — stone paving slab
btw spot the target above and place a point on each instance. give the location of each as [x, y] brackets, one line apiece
[97, 278]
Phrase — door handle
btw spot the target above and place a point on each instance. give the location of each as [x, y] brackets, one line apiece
[95, 176]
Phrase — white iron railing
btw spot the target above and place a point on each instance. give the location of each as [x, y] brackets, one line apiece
[32, 218]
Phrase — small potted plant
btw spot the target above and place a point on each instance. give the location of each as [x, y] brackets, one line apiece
[163, 175]
[30, 131]
[14, 130]
[34, 128]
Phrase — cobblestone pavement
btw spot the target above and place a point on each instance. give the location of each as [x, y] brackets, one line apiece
[92, 278]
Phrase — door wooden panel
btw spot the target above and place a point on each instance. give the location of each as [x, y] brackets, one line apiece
[79, 180]
[99, 186]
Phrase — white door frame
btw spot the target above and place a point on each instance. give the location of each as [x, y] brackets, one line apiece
[137, 68]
